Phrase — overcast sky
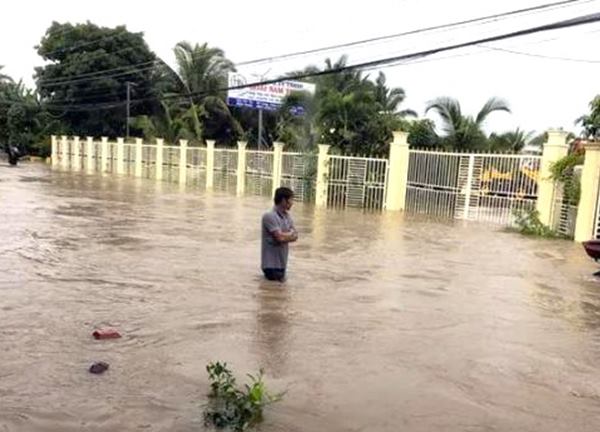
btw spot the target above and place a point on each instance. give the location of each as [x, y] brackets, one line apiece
[542, 92]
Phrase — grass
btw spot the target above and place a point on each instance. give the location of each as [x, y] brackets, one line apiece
[232, 407]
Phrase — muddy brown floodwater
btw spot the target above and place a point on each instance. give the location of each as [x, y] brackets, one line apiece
[387, 323]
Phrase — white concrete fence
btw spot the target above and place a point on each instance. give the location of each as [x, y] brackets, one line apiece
[471, 186]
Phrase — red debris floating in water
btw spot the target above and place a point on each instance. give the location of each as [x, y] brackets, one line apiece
[106, 333]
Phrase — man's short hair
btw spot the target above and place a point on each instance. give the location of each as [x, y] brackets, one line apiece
[283, 193]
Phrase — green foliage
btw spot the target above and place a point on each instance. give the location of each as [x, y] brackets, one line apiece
[202, 72]
[74, 83]
[349, 111]
[171, 123]
[24, 123]
[512, 141]
[232, 407]
[528, 223]
[591, 122]
[563, 172]
[421, 134]
[464, 132]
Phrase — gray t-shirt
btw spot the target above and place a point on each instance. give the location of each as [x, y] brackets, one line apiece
[274, 255]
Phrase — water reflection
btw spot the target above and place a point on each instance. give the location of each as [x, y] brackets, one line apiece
[273, 326]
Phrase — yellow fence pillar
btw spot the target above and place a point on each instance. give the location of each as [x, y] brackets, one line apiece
[54, 145]
[322, 176]
[75, 154]
[397, 180]
[159, 158]
[89, 154]
[554, 149]
[138, 157]
[588, 212]
[64, 151]
[277, 164]
[120, 156]
[210, 164]
[103, 154]
[183, 144]
[241, 168]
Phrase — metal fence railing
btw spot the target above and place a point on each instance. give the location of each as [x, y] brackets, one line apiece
[470, 186]
[482, 187]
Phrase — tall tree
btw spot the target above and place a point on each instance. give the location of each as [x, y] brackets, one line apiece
[464, 132]
[85, 79]
[203, 74]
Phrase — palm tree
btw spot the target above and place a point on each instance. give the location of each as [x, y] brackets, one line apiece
[464, 132]
[203, 74]
[391, 98]
[4, 79]
[512, 141]
[169, 126]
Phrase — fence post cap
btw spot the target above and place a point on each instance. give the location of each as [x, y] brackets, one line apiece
[400, 138]
[324, 148]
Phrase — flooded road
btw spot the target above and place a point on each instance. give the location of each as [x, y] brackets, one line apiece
[387, 323]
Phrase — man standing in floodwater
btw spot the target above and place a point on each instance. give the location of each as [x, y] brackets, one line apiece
[277, 231]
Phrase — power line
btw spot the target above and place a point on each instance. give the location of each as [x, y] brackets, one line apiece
[510, 51]
[582, 20]
[559, 4]
[413, 32]
[578, 21]
[118, 74]
[83, 75]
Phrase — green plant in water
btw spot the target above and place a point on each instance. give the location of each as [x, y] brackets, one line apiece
[562, 171]
[232, 407]
[528, 223]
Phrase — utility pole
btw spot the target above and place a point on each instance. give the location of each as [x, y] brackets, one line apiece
[260, 112]
[260, 127]
[129, 84]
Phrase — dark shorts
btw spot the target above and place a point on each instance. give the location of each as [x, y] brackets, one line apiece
[274, 274]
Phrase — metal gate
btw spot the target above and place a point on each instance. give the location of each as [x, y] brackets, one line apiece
[357, 182]
[171, 157]
[299, 173]
[225, 170]
[481, 187]
[259, 172]
[196, 166]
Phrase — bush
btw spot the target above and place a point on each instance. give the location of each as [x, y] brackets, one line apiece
[230, 407]
[562, 171]
[528, 223]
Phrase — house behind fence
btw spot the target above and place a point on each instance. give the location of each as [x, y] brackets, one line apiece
[489, 188]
